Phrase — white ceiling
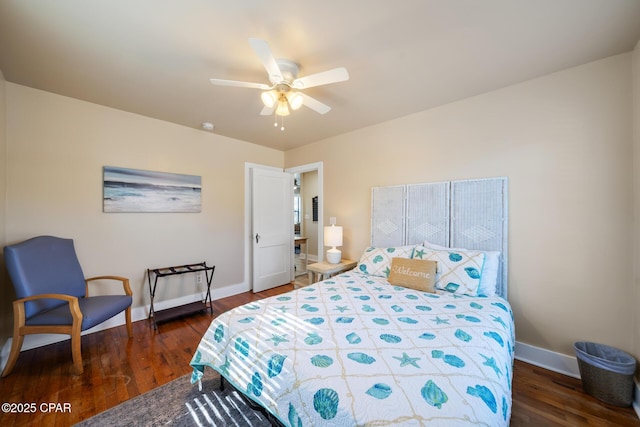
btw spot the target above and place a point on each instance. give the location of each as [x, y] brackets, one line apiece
[155, 57]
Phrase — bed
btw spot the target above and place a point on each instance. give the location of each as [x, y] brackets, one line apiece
[361, 349]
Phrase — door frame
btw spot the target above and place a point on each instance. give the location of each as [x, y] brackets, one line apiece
[311, 167]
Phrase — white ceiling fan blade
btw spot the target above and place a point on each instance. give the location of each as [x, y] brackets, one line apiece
[235, 83]
[314, 104]
[263, 51]
[267, 111]
[324, 78]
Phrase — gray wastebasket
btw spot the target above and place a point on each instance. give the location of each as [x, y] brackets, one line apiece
[606, 372]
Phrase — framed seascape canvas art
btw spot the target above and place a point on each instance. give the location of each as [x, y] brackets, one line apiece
[134, 190]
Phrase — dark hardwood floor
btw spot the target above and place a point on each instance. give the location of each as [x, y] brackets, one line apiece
[117, 368]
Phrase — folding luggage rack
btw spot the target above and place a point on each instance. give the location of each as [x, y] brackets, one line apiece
[182, 310]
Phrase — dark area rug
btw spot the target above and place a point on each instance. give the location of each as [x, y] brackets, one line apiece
[180, 403]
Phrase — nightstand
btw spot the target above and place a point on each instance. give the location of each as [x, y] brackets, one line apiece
[323, 270]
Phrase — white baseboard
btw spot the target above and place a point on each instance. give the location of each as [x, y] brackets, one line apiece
[137, 313]
[557, 362]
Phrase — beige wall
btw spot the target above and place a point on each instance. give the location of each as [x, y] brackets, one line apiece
[57, 147]
[565, 143]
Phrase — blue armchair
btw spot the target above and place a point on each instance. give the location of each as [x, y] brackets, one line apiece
[53, 295]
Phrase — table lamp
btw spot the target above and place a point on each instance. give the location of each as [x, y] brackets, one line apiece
[333, 238]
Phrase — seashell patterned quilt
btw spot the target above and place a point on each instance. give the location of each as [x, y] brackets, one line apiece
[355, 350]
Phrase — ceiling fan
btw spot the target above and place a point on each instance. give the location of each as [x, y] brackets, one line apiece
[285, 90]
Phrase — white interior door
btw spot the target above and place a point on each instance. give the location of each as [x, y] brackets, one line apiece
[272, 231]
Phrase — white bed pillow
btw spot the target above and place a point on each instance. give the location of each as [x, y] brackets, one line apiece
[377, 261]
[458, 271]
[489, 277]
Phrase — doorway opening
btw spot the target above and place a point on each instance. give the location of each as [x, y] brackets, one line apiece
[307, 216]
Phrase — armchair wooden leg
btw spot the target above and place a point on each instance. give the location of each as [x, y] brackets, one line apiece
[76, 351]
[127, 315]
[16, 345]
[18, 337]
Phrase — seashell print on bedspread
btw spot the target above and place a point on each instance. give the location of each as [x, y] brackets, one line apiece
[355, 350]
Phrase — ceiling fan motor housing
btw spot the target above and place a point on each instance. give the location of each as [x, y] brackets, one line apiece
[289, 71]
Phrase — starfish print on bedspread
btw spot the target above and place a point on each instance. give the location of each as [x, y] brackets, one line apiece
[277, 339]
[440, 321]
[406, 360]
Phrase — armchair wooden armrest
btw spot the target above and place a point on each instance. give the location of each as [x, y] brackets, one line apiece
[19, 312]
[124, 280]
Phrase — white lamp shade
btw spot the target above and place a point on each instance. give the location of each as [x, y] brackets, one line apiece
[283, 108]
[295, 100]
[268, 99]
[333, 236]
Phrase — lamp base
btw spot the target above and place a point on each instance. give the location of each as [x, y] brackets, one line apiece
[334, 256]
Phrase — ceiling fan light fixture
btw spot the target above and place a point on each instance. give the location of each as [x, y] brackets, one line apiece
[269, 99]
[295, 100]
[283, 108]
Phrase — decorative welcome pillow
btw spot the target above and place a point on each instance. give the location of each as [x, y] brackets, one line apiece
[457, 271]
[377, 261]
[418, 274]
